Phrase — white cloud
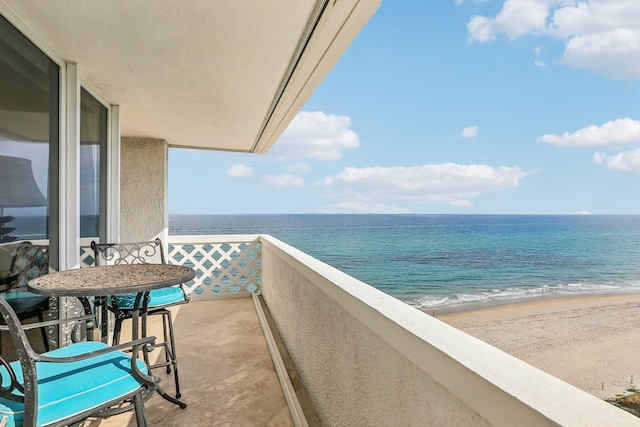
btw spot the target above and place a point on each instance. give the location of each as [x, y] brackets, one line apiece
[599, 157]
[240, 171]
[316, 136]
[469, 132]
[614, 133]
[461, 203]
[625, 162]
[517, 17]
[538, 62]
[601, 35]
[615, 52]
[593, 17]
[298, 168]
[357, 207]
[282, 181]
[446, 182]
[582, 213]
[480, 29]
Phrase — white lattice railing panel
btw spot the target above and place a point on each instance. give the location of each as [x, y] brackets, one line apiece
[226, 266]
[86, 253]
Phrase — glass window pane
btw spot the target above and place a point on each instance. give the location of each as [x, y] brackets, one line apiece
[93, 141]
[29, 129]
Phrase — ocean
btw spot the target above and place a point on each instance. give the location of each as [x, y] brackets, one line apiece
[443, 261]
[435, 261]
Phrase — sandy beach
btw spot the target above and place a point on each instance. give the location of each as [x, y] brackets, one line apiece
[591, 341]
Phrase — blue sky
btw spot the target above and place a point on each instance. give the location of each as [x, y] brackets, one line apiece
[452, 106]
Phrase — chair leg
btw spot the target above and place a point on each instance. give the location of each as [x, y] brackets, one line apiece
[43, 331]
[174, 357]
[117, 327]
[141, 413]
[168, 356]
[169, 344]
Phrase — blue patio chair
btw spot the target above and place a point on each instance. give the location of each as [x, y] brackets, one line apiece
[159, 299]
[70, 384]
[27, 261]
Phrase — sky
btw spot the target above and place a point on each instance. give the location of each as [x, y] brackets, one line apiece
[452, 107]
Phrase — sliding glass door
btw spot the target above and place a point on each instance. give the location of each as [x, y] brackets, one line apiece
[29, 141]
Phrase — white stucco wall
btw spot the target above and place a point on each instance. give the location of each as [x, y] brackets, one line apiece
[143, 189]
[353, 377]
[366, 358]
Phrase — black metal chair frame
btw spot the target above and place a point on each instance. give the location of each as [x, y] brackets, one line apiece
[139, 253]
[27, 392]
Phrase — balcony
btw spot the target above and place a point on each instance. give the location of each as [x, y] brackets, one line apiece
[361, 356]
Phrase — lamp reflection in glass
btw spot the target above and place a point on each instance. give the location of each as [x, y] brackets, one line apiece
[18, 189]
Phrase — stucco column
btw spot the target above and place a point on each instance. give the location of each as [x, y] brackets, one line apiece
[143, 189]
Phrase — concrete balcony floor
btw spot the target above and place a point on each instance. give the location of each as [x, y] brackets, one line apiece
[227, 377]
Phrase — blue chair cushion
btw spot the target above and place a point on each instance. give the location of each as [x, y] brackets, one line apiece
[18, 295]
[65, 389]
[23, 302]
[157, 298]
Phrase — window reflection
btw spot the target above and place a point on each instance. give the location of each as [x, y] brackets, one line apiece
[28, 137]
[93, 142]
[29, 171]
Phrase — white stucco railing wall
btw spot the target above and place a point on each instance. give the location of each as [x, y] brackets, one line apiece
[366, 358]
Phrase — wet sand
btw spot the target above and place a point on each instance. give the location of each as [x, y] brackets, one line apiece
[591, 342]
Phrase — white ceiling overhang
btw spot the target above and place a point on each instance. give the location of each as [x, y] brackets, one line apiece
[224, 75]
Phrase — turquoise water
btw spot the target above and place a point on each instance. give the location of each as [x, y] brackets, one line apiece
[439, 260]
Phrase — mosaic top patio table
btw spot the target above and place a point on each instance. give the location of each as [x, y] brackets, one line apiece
[110, 280]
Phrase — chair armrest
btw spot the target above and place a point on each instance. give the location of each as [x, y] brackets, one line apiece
[136, 345]
[51, 322]
[90, 354]
[89, 320]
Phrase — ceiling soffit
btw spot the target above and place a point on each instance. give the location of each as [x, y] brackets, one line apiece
[225, 75]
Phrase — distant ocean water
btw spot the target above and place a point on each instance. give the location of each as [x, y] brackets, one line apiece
[432, 261]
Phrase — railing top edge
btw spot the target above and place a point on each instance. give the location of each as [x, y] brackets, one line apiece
[86, 241]
[37, 242]
[214, 238]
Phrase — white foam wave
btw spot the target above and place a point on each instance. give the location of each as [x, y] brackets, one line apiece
[431, 301]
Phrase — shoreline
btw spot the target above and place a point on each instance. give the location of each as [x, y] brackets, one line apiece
[589, 341]
[464, 307]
